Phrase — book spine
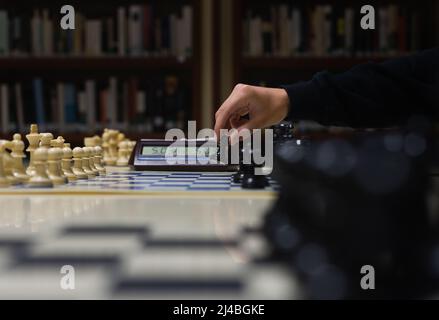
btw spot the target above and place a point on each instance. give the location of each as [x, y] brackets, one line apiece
[5, 117]
[19, 106]
[135, 30]
[60, 95]
[112, 101]
[187, 28]
[122, 31]
[90, 90]
[39, 101]
[4, 33]
[70, 105]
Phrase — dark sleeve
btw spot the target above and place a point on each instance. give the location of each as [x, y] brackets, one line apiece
[372, 94]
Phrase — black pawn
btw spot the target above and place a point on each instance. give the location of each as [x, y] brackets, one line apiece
[237, 177]
[252, 181]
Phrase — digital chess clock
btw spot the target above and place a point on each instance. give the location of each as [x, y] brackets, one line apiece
[181, 155]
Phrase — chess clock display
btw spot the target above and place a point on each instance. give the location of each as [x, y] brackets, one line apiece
[182, 155]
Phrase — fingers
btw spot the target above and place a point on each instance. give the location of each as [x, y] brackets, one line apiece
[235, 105]
[236, 122]
[257, 122]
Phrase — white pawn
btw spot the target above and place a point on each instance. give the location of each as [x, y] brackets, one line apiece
[77, 164]
[4, 181]
[91, 160]
[66, 163]
[86, 164]
[106, 147]
[98, 160]
[54, 157]
[122, 159]
[40, 178]
[17, 154]
[58, 143]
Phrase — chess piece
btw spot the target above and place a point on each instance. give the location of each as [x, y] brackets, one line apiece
[98, 160]
[86, 163]
[89, 142]
[106, 146]
[59, 144]
[91, 159]
[40, 178]
[66, 163]
[18, 155]
[4, 181]
[246, 174]
[282, 132]
[46, 140]
[113, 152]
[8, 162]
[122, 159]
[237, 177]
[253, 181]
[77, 164]
[34, 139]
[97, 141]
[54, 156]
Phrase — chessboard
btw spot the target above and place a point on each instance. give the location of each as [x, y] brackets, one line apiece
[101, 167]
[138, 248]
[126, 181]
[129, 234]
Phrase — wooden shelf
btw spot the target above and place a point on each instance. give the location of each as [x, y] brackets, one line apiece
[93, 63]
[307, 63]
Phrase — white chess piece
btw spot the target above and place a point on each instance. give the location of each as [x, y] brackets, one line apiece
[77, 164]
[45, 140]
[4, 182]
[58, 143]
[18, 155]
[66, 163]
[86, 163]
[106, 147]
[121, 158]
[112, 149]
[98, 160]
[54, 156]
[91, 160]
[34, 139]
[8, 162]
[40, 178]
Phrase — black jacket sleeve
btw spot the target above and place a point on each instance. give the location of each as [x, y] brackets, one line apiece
[372, 94]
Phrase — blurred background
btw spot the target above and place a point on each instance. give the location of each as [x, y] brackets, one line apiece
[144, 66]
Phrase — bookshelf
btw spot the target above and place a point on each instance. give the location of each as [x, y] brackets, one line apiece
[262, 56]
[154, 81]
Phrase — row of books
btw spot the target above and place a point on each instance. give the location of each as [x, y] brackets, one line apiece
[136, 30]
[329, 30]
[130, 105]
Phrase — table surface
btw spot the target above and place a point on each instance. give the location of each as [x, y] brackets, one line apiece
[147, 245]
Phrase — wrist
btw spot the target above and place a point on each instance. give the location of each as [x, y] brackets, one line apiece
[282, 103]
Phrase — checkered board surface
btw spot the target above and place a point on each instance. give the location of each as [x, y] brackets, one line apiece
[128, 262]
[164, 181]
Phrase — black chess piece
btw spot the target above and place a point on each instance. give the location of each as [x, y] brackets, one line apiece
[282, 132]
[239, 176]
[250, 180]
[253, 181]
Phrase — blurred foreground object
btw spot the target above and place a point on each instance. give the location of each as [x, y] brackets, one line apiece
[345, 204]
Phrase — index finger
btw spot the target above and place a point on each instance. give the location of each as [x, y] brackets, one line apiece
[224, 113]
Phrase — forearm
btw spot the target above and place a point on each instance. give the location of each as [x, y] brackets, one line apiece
[370, 95]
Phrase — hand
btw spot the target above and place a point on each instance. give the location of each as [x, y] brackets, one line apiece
[264, 106]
